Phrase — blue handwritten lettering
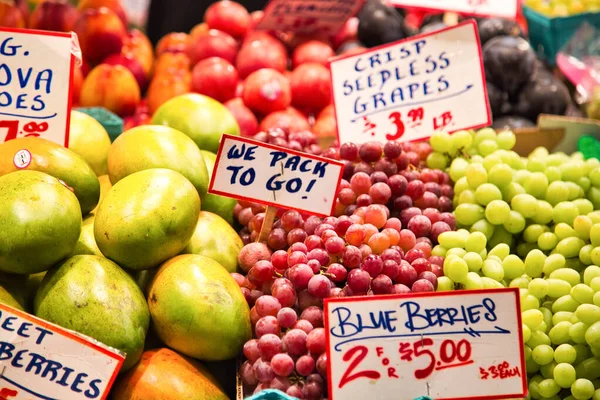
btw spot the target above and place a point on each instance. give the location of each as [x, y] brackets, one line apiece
[421, 319]
[7, 50]
[346, 326]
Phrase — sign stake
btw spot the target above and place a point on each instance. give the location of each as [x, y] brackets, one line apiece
[267, 225]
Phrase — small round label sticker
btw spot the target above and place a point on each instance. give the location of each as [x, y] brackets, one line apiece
[22, 159]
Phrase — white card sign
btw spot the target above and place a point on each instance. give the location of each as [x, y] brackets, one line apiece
[309, 16]
[484, 8]
[40, 360]
[36, 69]
[250, 170]
[445, 345]
[408, 89]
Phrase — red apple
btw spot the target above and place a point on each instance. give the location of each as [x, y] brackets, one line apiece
[212, 43]
[228, 16]
[244, 117]
[54, 15]
[133, 65]
[290, 122]
[349, 32]
[101, 33]
[216, 78]
[312, 51]
[266, 91]
[311, 87]
[263, 52]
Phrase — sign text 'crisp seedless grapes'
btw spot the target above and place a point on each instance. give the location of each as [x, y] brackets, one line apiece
[484, 8]
[445, 345]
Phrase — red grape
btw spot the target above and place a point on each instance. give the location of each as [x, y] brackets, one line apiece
[251, 350]
[291, 219]
[266, 325]
[349, 151]
[282, 364]
[269, 345]
[399, 288]
[305, 365]
[303, 325]
[298, 246]
[407, 274]
[267, 305]
[430, 276]
[319, 286]
[421, 265]
[359, 280]
[382, 284]
[422, 285]
[360, 183]
[392, 149]
[370, 151]
[337, 272]
[391, 268]
[314, 315]
[294, 342]
[247, 374]
[263, 371]
[286, 317]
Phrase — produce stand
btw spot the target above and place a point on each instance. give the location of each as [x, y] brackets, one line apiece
[325, 199]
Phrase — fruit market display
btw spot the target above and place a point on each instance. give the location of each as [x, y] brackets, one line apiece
[559, 8]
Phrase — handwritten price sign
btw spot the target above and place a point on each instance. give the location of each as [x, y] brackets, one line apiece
[250, 170]
[309, 16]
[408, 89]
[36, 69]
[484, 8]
[447, 345]
[40, 360]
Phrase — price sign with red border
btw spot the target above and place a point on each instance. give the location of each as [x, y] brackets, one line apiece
[36, 70]
[411, 88]
[445, 345]
[483, 8]
[40, 360]
[309, 17]
[250, 170]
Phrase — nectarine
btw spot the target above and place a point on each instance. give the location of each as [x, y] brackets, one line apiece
[266, 91]
[228, 16]
[312, 51]
[101, 33]
[165, 87]
[213, 43]
[244, 117]
[216, 78]
[98, 89]
[114, 5]
[54, 15]
[311, 87]
[174, 42]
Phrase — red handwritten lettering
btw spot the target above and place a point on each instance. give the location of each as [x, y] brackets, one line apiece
[451, 355]
[499, 371]
[12, 129]
[395, 117]
[6, 393]
[348, 376]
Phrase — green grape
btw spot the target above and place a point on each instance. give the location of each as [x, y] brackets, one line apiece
[533, 385]
[493, 269]
[487, 147]
[466, 197]
[532, 318]
[565, 353]
[570, 247]
[593, 195]
[585, 184]
[445, 284]
[572, 171]
[553, 262]
[506, 140]
[524, 248]
[441, 142]
[529, 302]
[439, 251]
[461, 185]
[515, 222]
[461, 139]
[538, 287]
[566, 212]
[484, 227]
[473, 281]
[501, 251]
[561, 316]
[547, 241]
[594, 176]
[476, 159]
[548, 388]
[559, 333]
[453, 239]
[468, 214]
[476, 175]
[535, 163]
[474, 261]
[582, 225]
[582, 389]
[596, 299]
[521, 282]
[547, 312]
[592, 335]
[458, 168]
[585, 254]
[511, 190]
[564, 374]
[544, 214]
[547, 370]
[567, 275]
[490, 161]
[583, 294]
[557, 192]
[489, 283]
[526, 335]
[591, 272]
[537, 339]
[565, 303]
[500, 235]
[475, 242]
[583, 352]
[574, 191]
[595, 233]
[558, 288]
[484, 134]
[563, 230]
[525, 204]
[456, 269]
[584, 206]
[588, 368]
[588, 313]
[596, 395]
[486, 193]
[552, 173]
[577, 332]
[521, 176]
[595, 255]
[457, 252]
[534, 263]
[500, 175]
[513, 266]
[536, 185]
[532, 233]
[497, 211]
[437, 161]
[595, 282]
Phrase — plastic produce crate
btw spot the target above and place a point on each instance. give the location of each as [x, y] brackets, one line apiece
[111, 122]
[548, 35]
[271, 394]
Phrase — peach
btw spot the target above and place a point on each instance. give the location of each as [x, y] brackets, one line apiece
[76, 87]
[216, 78]
[54, 15]
[266, 91]
[114, 5]
[100, 89]
[175, 42]
[289, 121]
[165, 87]
[171, 62]
[133, 65]
[101, 33]
[312, 51]
[11, 16]
[257, 54]
[328, 111]
[325, 127]
[213, 43]
[244, 117]
[311, 86]
[138, 44]
[228, 16]
[198, 29]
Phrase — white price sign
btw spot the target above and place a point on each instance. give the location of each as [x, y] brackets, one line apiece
[484, 8]
[250, 170]
[309, 16]
[40, 360]
[445, 345]
[36, 69]
[408, 89]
